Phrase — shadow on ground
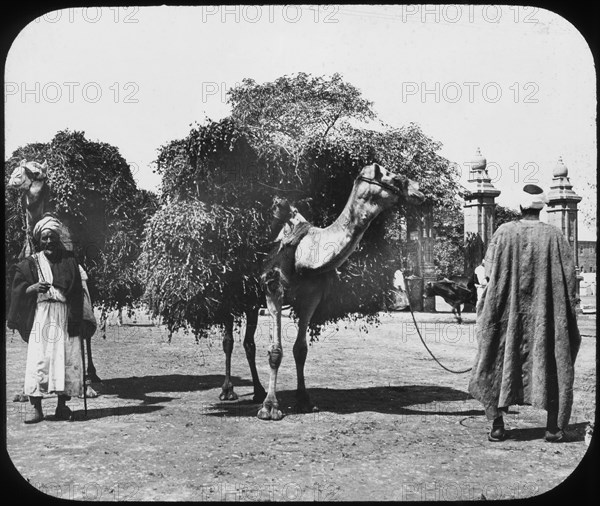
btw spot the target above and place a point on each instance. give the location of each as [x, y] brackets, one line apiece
[405, 400]
[136, 387]
[122, 413]
[575, 433]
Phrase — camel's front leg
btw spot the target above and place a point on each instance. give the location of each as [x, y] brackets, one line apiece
[227, 393]
[270, 408]
[250, 348]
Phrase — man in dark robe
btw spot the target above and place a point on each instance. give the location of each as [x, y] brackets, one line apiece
[526, 322]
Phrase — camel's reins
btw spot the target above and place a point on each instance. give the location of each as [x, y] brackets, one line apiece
[382, 184]
[427, 347]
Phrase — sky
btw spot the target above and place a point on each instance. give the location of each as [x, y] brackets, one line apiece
[516, 82]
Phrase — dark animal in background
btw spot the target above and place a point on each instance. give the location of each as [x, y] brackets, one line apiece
[456, 291]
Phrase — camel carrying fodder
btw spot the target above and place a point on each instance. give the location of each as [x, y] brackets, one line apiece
[30, 179]
[239, 163]
[299, 270]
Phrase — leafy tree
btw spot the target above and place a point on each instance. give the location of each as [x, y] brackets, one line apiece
[449, 245]
[504, 215]
[93, 192]
[286, 114]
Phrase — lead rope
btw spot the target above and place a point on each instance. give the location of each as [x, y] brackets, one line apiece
[427, 347]
[29, 246]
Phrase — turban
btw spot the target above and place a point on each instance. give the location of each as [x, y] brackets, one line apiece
[52, 223]
[47, 223]
[532, 197]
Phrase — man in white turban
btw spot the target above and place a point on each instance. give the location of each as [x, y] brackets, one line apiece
[50, 222]
[532, 197]
[46, 307]
[526, 327]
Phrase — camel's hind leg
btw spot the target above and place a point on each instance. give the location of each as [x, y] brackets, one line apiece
[250, 348]
[456, 311]
[90, 376]
[307, 305]
[227, 393]
[91, 368]
[274, 292]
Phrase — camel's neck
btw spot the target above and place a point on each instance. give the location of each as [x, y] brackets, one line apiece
[325, 249]
[357, 215]
[36, 202]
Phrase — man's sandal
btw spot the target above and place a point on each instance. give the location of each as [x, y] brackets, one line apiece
[34, 415]
[63, 413]
[497, 434]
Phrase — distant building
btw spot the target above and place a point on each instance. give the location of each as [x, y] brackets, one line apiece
[587, 256]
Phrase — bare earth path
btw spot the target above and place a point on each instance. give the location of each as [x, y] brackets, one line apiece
[393, 425]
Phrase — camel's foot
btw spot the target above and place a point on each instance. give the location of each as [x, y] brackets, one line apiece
[20, 397]
[270, 411]
[304, 404]
[269, 414]
[90, 393]
[259, 394]
[227, 394]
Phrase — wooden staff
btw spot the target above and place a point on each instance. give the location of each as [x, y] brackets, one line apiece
[84, 378]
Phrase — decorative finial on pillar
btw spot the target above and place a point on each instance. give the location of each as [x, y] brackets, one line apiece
[561, 188]
[560, 170]
[479, 179]
[479, 162]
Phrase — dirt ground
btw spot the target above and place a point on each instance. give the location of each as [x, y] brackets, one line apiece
[392, 424]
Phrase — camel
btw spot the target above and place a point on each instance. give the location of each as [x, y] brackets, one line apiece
[299, 270]
[29, 178]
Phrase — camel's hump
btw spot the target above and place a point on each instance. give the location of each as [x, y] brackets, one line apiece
[295, 235]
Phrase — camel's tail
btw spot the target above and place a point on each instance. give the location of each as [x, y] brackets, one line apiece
[272, 280]
[275, 286]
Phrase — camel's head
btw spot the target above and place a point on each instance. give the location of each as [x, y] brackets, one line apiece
[281, 209]
[394, 188]
[26, 173]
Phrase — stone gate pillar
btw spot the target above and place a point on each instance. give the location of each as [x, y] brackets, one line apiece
[420, 241]
[562, 209]
[479, 213]
[479, 208]
[428, 239]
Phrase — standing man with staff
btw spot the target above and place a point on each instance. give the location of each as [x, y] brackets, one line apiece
[526, 328]
[47, 310]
